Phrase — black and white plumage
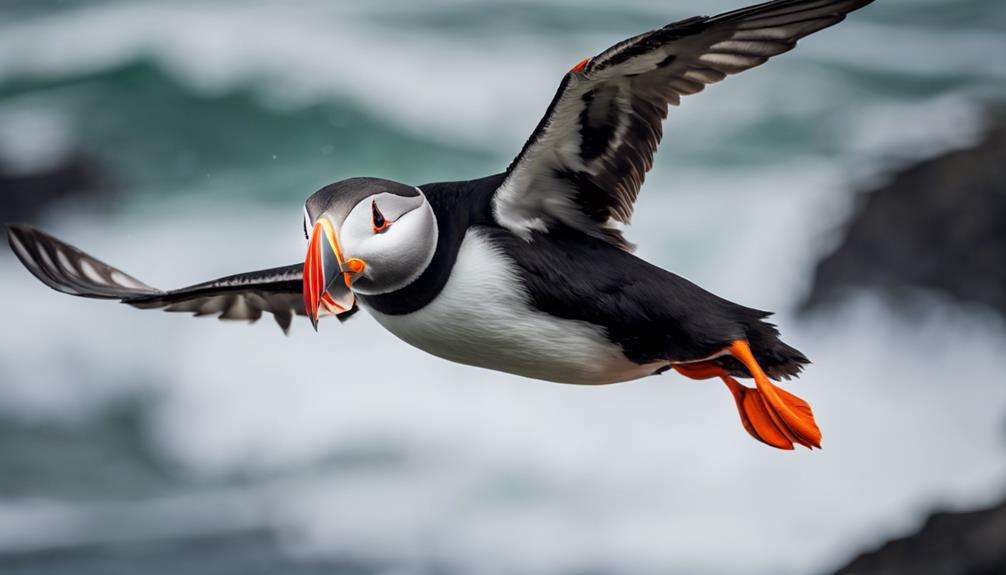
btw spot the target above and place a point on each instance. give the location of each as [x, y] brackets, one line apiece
[527, 271]
[585, 162]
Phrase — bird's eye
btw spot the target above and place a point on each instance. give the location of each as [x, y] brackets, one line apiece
[378, 220]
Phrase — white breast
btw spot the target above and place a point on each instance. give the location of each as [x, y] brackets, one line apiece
[482, 317]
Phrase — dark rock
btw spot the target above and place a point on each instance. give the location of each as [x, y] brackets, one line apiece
[25, 196]
[938, 225]
[970, 543]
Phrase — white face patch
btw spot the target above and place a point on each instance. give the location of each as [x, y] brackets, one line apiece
[396, 256]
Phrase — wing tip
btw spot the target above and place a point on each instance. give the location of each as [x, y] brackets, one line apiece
[69, 270]
[16, 234]
[19, 238]
[15, 226]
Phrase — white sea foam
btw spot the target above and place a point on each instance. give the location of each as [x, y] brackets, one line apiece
[444, 86]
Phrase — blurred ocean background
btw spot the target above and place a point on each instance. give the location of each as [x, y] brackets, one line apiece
[141, 442]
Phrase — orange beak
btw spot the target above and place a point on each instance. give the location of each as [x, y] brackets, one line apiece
[327, 274]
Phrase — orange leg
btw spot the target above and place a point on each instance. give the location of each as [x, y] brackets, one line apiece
[699, 370]
[775, 417]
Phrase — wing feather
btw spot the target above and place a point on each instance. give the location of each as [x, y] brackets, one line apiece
[585, 162]
[242, 297]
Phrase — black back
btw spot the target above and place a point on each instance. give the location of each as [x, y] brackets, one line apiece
[652, 313]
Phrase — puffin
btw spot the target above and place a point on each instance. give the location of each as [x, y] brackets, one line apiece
[528, 271]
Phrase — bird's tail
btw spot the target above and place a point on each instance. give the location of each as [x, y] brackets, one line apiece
[777, 359]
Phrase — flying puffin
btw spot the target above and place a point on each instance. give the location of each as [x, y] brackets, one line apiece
[527, 271]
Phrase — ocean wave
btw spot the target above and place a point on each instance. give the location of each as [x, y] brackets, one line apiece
[430, 79]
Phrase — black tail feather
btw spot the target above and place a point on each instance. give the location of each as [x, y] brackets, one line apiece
[778, 359]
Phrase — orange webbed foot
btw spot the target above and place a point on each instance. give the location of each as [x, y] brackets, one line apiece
[768, 413]
[756, 417]
[791, 414]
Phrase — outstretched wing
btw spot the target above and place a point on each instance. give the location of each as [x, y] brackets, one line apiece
[585, 162]
[238, 297]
